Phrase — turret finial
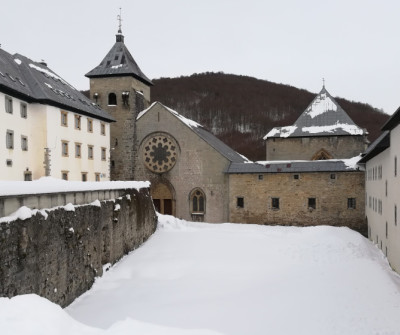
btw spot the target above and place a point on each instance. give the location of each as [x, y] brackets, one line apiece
[120, 37]
[323, 82]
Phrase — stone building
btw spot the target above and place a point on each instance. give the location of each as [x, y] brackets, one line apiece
[48, 128]
[119, 86]
[323, 131]
[382, 179]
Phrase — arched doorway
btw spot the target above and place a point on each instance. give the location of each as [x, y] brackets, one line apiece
[163, 197]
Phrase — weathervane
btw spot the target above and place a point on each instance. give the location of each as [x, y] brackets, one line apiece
[119, 18]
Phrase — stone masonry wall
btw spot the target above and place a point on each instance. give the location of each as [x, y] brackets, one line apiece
[58, 257]
[331, 199]
[304, 148]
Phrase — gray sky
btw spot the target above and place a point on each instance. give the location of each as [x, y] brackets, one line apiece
[353, 44]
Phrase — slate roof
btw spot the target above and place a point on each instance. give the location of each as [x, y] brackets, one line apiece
[291, 167]
[119, 62]
[35, 83]
[393, 121]
[376, 147]
[204, 134]
[323, 117]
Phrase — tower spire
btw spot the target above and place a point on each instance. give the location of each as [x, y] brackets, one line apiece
[120, 37]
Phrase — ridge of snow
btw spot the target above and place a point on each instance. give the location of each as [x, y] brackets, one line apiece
[18, 61]
[321, 105]
[50, 74]
[145, 110]
[54, 185]
[282, 131]
[348, 128]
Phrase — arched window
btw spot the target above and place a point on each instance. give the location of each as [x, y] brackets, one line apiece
[321, 155]
[197, 204]
[112, 99]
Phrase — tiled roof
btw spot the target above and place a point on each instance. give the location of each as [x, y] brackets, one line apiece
[291, 167]
[119, 62]
[323, 117]
[35, 82]
[199, 130]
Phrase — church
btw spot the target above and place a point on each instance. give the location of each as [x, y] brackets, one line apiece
[310, 177]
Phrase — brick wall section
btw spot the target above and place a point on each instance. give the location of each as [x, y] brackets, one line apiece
[304, 148]
[198, 165]
[59, 257]
[123, 132]
[331, 199]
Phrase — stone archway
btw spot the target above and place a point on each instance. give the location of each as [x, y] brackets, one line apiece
[163, 197]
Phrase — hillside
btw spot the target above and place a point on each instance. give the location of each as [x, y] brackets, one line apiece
[240, 110]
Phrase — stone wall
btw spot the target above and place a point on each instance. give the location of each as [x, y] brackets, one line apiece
[304, 148]
[331, 196]
[58, 257]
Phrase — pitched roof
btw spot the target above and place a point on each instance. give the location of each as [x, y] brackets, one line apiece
[393, 121]
[376, 147]
[119, 62]
[35, 82]
[200, 131]
[323, 117]
[293, 166]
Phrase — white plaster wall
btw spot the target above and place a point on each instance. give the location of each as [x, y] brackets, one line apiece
[56, 133]
[389, 244]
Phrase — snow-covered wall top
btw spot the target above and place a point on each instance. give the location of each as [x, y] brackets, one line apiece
[53, 185]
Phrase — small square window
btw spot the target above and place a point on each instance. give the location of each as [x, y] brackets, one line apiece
[97, 176]
[351, 203]
[275, 203]
[9, 105]
[260, 177]
[10, 139]
[333, 176]
[9, 162]
[84, 176]
[295, 176]
[24, 110]
[27, 176]
[64, 175]
[24, 143]
[64, 119]
[312, 203]
[240, 202]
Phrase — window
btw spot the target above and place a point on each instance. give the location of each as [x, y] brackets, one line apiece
[386, 188]
[102, 128]
[23, 110]
[97, 176]
[9, 105]
[240, 202]
[386, 229]
[10, 139]
[90, 151]
[27, 175]
[351, 203]
[333, 176]
[112, 99]
[275, 203]
[260, 177]
[24, 143]
[395, 215]
[9, 162]
[64, 175]
[64, 148]
[295, 176]
[312, 203]
[103, 154]
[84, 176]
[77, 150]
[64, 119]
[197, 199]
[77, 122]
[90, 125]
[395, 166]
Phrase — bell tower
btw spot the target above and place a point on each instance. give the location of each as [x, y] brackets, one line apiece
[118, 86]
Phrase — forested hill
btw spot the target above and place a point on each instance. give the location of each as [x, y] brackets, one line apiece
[240, 110]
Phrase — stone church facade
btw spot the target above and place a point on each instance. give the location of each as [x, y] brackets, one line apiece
[197, 177]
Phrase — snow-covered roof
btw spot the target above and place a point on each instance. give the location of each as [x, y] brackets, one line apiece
[35, 82]
[296, 166]
[197, 128]
[323, 117]
[119, 62]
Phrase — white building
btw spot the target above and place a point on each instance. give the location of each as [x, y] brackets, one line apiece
[48, 127]
[383, 190]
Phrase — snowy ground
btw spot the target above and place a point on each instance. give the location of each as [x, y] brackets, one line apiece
[207, 279]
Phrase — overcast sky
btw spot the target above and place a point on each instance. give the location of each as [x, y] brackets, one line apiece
[353, 44]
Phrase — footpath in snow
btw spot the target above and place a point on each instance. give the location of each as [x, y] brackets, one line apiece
[197, 278]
